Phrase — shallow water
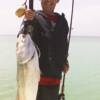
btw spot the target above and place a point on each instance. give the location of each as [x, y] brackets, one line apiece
[82, 81]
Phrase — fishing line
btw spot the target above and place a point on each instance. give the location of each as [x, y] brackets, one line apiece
[71, 20]
[69, 36]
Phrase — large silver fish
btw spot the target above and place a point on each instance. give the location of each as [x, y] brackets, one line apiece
[28, 72]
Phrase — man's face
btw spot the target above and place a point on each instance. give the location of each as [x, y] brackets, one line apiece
[49, 5]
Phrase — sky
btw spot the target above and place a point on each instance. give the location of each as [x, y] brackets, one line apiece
[86, 17]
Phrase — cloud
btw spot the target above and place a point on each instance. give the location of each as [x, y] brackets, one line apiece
[85, 21]
[9, 23]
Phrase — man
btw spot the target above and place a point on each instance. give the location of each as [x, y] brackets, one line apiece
[50, 32]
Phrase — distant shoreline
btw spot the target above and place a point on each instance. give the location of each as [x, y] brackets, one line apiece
[15, 35]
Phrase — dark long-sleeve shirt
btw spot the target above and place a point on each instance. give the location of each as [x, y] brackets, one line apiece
[53, 46]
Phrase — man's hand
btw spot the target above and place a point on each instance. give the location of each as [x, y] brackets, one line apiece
[65, 68]
[29, 14]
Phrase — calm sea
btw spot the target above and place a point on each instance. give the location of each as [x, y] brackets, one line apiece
[82, 81]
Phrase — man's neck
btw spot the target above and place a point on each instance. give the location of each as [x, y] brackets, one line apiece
[48, 13]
